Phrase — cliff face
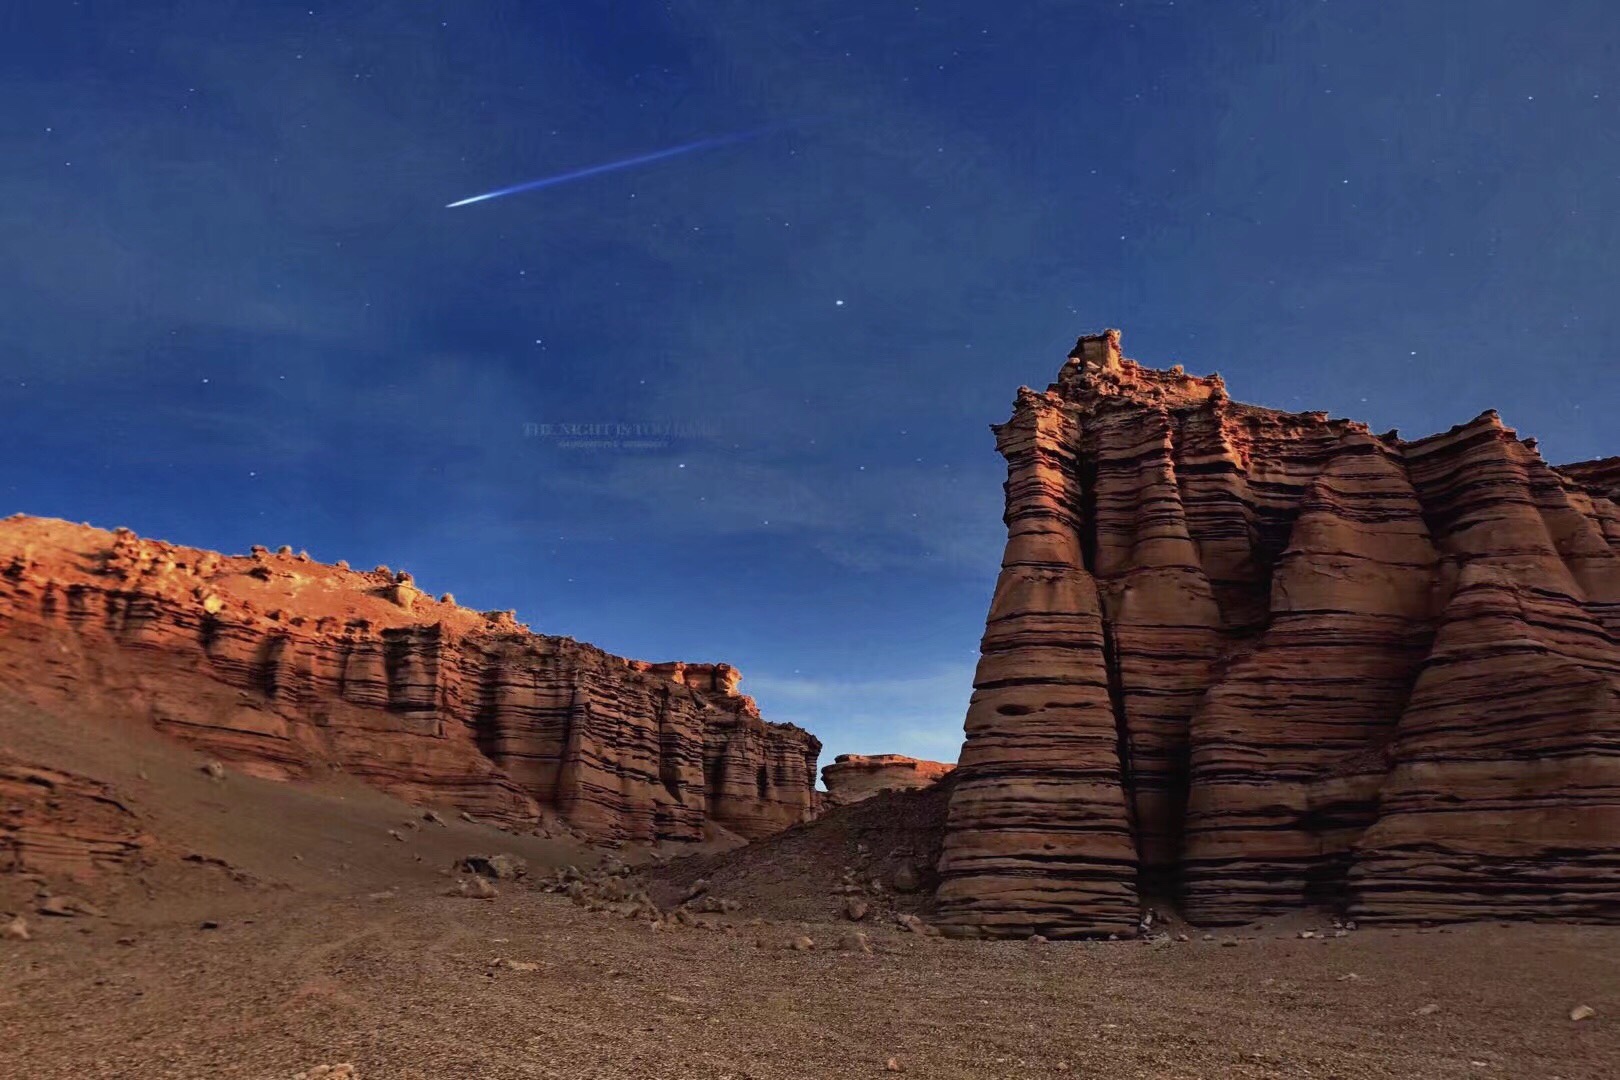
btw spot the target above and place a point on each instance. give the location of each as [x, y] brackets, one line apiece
[1254, 660]
[853, 777]
[282, 665]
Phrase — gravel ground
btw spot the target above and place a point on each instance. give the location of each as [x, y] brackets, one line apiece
[407, 985]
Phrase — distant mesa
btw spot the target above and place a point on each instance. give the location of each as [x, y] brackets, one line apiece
[281, 666]
[853, 777]
[1247, 661]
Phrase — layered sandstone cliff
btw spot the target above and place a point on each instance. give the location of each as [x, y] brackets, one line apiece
[281, 666]
[854, 777]
[1253, 660]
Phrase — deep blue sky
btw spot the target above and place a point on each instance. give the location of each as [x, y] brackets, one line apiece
[236, 310]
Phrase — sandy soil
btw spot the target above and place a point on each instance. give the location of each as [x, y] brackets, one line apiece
[352, 953]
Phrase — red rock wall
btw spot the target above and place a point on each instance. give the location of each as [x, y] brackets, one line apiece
[853, 777]
[1251, 660]
[284, 666]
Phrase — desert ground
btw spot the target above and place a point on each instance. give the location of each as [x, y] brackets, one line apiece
[302, 933]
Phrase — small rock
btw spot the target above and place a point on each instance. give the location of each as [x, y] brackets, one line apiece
[801, 944]
[893, 1065]
[344, 1071]
[1229, 943]
[16, 930]
[215, 770]
[912, 923]
[1426, 1010]
[905, 878]
[1349, 977]
[518, 965]
[396, 834]
[1182, 937]
[1307, 934]
[1037, 939]
[67, 907]
[433, 817]
[475, 888]
[468, 818]
[856, 909]
[858, 942]
[208, 924]
[1582, 1012]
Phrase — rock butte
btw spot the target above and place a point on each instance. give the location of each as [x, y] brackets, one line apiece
[280, 665]
[853, 777]
[1248, 660]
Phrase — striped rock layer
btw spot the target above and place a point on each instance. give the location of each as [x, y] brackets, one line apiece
[284, 666]
[854, 777]
[1249, 661]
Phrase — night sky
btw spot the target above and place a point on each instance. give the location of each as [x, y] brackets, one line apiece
[236, 308]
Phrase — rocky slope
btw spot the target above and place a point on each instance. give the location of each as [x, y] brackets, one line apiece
[1256, 660]
[854, 777]
[284, 666]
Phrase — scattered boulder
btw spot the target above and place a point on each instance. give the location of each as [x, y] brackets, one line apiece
[905, 877]
[856, 909]
[502, 867]
[16, 930]
[916, 925]
[475, 888]
[432, 817]
[894, 1065]
[801, 944]
[1426, 1010]
[1582, 1012]
[215, 771]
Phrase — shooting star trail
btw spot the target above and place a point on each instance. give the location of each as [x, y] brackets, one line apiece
[613, 166]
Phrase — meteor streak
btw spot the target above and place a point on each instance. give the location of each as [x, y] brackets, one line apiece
[611, 166]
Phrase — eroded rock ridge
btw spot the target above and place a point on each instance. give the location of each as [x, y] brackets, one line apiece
[281, 666]
[1249, 660]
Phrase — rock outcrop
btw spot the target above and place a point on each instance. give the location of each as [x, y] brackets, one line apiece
[62, 825]
[1253, 660]
[281, 666]
[853, 777]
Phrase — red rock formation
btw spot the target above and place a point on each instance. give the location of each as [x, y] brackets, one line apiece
[1255, 660]
[59, 824]
[282, 665]
[853, 777]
